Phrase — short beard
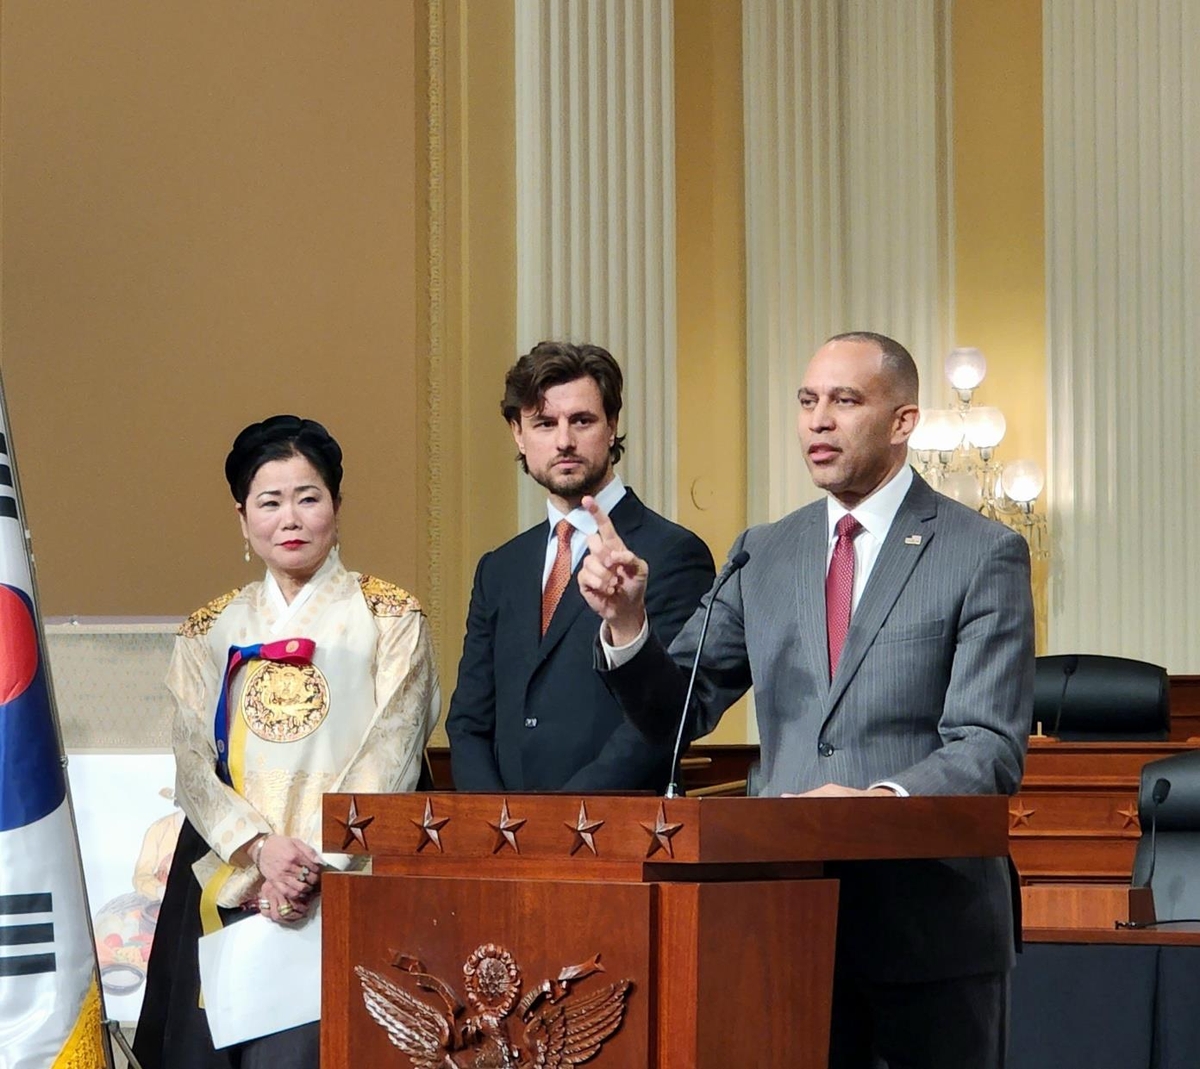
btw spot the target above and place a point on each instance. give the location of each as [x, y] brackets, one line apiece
[581, 485]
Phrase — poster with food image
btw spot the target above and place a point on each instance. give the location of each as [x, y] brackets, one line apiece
[128, 825]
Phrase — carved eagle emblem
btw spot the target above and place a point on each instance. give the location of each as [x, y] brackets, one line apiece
[549, 1028]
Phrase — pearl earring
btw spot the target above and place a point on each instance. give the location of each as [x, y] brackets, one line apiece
[246, 553]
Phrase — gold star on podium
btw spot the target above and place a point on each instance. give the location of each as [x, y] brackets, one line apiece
[431, 830]
[506, 830]
[1130, 814]
[661, 833]
[584, 829]
[355, 825]
[1019, 817]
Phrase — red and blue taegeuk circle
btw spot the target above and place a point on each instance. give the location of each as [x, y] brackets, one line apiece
[18, 645]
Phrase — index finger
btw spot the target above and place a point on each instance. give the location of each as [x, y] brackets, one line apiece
[604, 527]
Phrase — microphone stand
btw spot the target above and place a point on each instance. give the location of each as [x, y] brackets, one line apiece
[1162, 787]
[1069, 666]
[736, 563]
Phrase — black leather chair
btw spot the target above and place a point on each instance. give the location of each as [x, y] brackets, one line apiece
[1107, 699]
[1176, 824]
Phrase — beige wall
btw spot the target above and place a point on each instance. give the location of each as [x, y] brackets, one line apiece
[710, 265]
[999, 239]
[999, 222]
[210, 214]
[470, 324]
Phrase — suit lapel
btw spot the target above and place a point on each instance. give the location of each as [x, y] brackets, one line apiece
[527, 596]
[812, 542]
[909, 536]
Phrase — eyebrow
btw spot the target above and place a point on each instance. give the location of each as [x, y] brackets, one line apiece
[574, 414]
[279, 493]
[833, 391]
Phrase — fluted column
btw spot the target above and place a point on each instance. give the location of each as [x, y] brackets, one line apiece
[595, 210]
[846, 194]
[1122, 108]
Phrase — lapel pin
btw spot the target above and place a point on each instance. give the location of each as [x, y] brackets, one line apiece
[913, 540]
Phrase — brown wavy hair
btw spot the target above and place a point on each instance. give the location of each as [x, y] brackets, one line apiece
[553, 363]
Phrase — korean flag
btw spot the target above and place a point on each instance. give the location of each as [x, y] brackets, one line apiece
[50, 1011]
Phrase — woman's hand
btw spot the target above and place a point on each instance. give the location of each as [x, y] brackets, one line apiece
[275, 905]
[290, 866]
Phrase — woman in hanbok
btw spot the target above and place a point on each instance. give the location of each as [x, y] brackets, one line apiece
[313, 680]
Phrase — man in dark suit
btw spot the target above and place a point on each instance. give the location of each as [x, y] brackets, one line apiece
[528, 712]
[887, 632]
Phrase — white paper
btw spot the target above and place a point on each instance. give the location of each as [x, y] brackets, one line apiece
[259, 977]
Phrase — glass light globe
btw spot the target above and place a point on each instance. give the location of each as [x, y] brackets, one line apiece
[984, 426]
[945, 429]
[965, 368]
[1022, 481]
[920, 439]
[963, 487]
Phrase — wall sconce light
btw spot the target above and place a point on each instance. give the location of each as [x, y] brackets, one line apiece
[956, 449]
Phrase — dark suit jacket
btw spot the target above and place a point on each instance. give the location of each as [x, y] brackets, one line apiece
[933, 691]
[528, 712]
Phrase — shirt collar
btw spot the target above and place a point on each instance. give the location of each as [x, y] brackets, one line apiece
[580, 518]
[876, 512]
[331, 564]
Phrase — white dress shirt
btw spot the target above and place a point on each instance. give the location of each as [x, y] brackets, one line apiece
[876, 514]
[582, 521]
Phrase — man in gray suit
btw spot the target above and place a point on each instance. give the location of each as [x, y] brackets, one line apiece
[887, 632]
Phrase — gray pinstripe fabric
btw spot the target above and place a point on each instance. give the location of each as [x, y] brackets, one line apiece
[934, 686]
[933, 691]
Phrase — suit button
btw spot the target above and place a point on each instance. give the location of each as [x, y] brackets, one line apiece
[824, 749]
[531, 721]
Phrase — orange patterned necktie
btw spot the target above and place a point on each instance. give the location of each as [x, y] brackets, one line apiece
[560, 573]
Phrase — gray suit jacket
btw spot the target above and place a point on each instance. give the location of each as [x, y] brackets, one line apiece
[933, 691]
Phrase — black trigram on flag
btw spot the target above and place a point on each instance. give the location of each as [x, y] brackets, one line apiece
[8, 501]
[22, 929]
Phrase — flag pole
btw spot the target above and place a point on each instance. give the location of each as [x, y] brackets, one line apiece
[106, 1025]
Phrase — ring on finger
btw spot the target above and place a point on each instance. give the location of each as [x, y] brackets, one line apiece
[285, 910]
[264, 905]
[304, 871]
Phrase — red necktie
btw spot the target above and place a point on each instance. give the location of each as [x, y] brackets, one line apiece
[839, 588]
[560, 573]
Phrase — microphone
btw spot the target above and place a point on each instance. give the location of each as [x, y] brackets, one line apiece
[1070, 663]
[1158, 795]
[734, 565]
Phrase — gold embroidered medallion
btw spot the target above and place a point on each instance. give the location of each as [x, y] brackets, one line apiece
[284, 702]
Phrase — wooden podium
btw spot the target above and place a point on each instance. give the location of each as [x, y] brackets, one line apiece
[625, 931]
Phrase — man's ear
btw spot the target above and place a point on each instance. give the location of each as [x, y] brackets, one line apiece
[905, 423]
[518, 435]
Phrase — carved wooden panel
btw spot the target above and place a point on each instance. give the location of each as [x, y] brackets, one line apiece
[1057, 905]
[744, 973]
[494, 950]
[1075, 819]
[1185, 708]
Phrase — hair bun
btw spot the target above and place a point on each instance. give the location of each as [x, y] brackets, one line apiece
[277, 438]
